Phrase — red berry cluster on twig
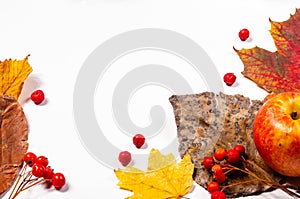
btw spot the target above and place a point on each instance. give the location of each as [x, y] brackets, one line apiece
[36, 171]
[218, 166]
[224, 162]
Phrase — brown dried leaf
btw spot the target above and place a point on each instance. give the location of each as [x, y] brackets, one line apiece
[13, 140]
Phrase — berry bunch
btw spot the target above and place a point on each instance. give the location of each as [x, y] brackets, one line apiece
[222, 163]
[219, 166]
[36, 170]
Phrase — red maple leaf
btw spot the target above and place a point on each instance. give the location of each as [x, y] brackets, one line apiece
[276, 71]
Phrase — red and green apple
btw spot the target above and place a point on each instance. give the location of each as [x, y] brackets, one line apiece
[276, 133]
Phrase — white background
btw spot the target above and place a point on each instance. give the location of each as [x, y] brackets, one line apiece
[60, 34]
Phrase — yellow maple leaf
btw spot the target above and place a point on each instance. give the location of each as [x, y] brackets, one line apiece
[156, 160]
[12, 76]
[165, 179]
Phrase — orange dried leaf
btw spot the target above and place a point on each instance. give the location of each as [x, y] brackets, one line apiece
[165, 179]
[13, 74]
[276, 71]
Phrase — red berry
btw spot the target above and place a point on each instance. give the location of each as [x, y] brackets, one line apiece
[37, 96]
[220, 177]
[233, 156]
[29, 158]
[48, 173]
[220, 154]
[138, 140]
[229, 79]
[240, 148]
[124, 158]
[218, 195]
[217, 169]
[208, 162]
[38, 170]
[212, 187]
[58, 180]
[42, 160]
[244, 34]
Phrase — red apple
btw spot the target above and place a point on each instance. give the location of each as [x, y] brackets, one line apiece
[276, 133]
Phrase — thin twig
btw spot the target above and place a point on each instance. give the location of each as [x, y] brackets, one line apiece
[31, 185]
[18, 180]
[238, 183]
[266, 181]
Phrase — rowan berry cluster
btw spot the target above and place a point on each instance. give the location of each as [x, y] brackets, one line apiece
[218, 166]
[36, 170]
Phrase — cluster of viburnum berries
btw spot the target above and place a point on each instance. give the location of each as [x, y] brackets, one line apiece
[40, 169]
[36, 171]
[218, 166]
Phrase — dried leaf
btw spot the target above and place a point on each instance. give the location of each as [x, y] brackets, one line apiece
[13, 140]
[276, 71]
[13, 74]
[165, 178]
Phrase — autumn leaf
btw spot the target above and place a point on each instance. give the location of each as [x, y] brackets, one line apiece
[156, 160]
[13, 74]
[277, 71]
[165, 179]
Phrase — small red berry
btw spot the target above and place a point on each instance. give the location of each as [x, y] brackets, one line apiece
[233, 156]
[244, 34]
[124, 158]
[240, 148]
[42, 160]
[38, 170]
[218, 195]
[217, 169]
[138, 140]
[58, 180]
[220, 154]
[220, 177]
[212, 187]
[229, 79]
[208, 162]
[48, 173]
[29, 158]
[37, 96]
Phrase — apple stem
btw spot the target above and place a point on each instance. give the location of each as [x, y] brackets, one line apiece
[294, 115]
